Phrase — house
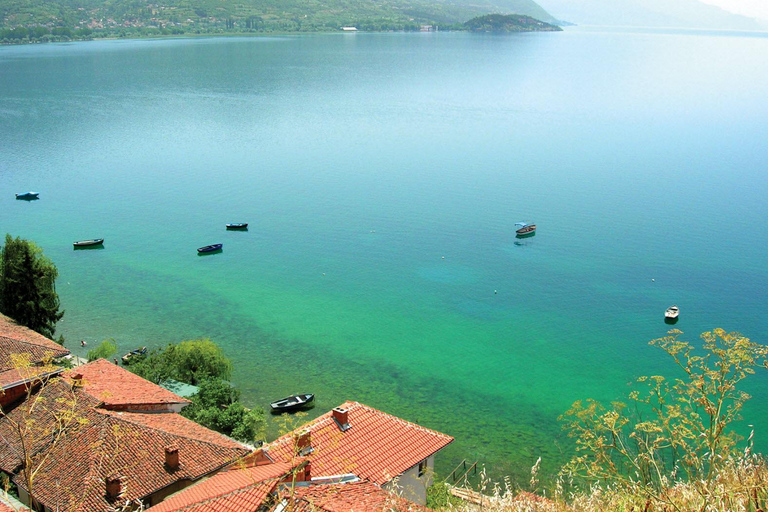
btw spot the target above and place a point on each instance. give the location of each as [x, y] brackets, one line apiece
[354, 458]
[99, 438]
[120, 390]
[392, 453]
[25, 358]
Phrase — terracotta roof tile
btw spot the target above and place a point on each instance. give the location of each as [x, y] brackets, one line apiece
[116, 387]
[377, 447]
[230, 490]
[15, 377]
[99, 443]
[350, 497]
[48, 404]
[10, 330]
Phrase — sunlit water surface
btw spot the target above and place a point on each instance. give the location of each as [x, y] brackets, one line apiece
[382, 175]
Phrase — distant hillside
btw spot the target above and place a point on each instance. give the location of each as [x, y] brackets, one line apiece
[648, 13]
[508, 23]
[124, 17]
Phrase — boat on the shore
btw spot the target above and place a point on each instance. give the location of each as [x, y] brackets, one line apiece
[28, 195]
[210, 248]
[133, 354]
[89, 243]
[671, 314]
[525, 229]
[237, 225]
[292, 403]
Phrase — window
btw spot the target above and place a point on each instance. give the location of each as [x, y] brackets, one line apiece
[423, 468]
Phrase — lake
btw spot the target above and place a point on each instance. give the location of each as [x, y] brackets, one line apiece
[382, 176]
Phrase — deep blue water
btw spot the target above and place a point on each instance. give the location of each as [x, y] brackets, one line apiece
[382, 175]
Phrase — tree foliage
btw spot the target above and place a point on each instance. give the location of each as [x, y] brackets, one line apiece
[105, 350]
[190, 361]
[676, 430]
[508, 23]
[29, 20]
[28, 286]
[216, 406]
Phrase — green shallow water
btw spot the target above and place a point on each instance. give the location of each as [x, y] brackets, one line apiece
[382, 175]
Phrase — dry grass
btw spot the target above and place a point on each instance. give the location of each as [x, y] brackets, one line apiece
[741, 486]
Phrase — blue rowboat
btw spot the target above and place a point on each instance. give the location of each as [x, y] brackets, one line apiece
[209, 248]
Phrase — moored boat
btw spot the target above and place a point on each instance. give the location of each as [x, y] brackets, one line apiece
[525, 229]
[210, 248]
[133, 354]
[671, 313]
[237, 225]
[292, 403]
[89, 243]
[28, 195]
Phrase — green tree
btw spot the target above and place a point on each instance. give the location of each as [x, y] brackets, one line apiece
[677, 430]
[189, 361]
[28, 286]
[105, 350]
[196, 360]
[216, 406]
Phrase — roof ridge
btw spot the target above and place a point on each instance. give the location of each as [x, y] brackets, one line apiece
[401, 420]
[351, 405]
[124, 415]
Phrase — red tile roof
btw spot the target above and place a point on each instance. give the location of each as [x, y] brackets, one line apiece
[36, 416]
[98, 444]
[230, 490]
[16, 339]
[377, 447]
[19, 376]
[116, 387]
[350, 497]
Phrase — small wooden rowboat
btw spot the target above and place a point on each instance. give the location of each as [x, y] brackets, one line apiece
[210, 248]
[133, 354]
[525, 228]
[238, 225]
[89, 243]
[292, 403]
[672, 313]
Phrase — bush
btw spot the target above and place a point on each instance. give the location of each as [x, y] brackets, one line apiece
[105, 350]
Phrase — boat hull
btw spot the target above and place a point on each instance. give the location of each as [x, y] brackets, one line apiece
[527, 230]
[671, 314]
[292, 403]
[89, 243]
[241, 226]
[28, 196]
[210, 249]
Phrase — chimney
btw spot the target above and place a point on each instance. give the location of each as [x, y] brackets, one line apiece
[114, 486]
[304, 442]
[307, 474]
[77, 380]
[172, 457]
[341, 417]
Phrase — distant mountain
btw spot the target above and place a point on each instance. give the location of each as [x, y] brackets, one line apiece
[648, 13]
[184, 16]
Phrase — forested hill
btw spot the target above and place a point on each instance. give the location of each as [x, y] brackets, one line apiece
[509, 23]
[77, 18]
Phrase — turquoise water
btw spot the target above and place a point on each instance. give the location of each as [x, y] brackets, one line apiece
[382, 175]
